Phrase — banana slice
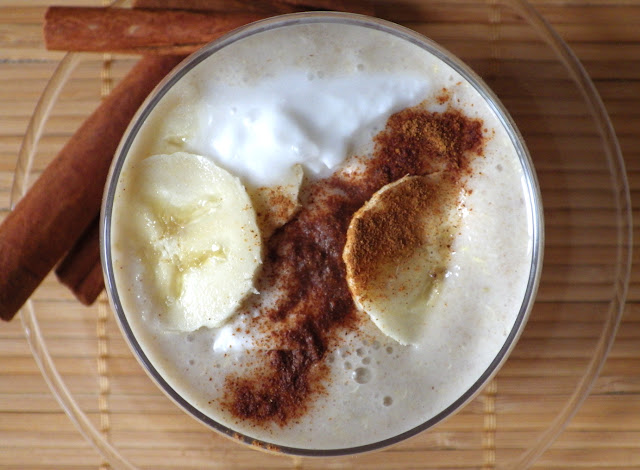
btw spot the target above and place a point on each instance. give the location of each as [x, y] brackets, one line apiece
[397, 250]
[197, 232]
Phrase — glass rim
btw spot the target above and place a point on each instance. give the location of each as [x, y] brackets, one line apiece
[532, 190]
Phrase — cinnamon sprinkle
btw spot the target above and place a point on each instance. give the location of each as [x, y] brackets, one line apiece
[408, 215]
[304, 262]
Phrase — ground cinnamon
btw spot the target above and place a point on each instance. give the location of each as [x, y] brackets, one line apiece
[64, 200]
[407, 218]
[305, 262]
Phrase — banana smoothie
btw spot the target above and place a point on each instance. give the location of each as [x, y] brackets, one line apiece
[321, 236]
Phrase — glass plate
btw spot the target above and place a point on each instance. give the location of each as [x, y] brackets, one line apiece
[583, 287]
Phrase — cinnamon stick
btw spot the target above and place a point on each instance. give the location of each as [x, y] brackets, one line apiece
[81, 270]
[65, 199]
[255, 6]
[121, 30]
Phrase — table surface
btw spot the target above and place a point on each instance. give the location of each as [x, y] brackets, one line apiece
[36, 433]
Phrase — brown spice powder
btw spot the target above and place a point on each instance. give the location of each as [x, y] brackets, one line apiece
[407, 215]
[304, 262]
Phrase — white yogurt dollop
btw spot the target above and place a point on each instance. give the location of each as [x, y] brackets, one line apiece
[259, 133]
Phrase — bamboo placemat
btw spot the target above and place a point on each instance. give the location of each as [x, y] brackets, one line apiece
[110, 387]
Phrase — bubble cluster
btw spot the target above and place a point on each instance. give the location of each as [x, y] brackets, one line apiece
[360, 362]
[370, 356]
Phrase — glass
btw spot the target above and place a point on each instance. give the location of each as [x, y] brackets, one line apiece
[572, 325]
[350, 21]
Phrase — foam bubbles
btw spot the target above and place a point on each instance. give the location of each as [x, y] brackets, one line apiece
[362, 375]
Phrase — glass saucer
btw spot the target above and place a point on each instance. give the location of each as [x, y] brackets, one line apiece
[583, 287]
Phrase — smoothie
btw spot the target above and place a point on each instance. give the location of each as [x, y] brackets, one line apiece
[322, 237]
